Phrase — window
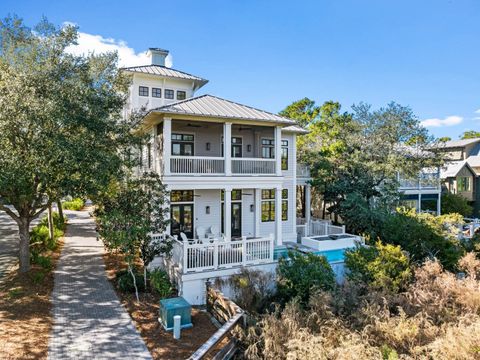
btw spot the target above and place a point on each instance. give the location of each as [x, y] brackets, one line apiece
[182, 144]
[156, 92]
[236, 195]
[143, 90]
[181, 196]
[181, 95]
[284, 154]
[169, 94]
[268, 205]
[463, 184]
[268, 148]
[149, 155]
[285, 204]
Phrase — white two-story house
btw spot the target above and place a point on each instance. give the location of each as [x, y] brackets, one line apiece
[230, 169]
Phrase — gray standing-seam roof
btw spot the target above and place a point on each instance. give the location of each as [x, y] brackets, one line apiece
[295, 129]
[212, 106]
[452, 168]
[165, 71]
[459, 143]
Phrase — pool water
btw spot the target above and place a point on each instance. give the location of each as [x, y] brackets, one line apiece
[337, 255]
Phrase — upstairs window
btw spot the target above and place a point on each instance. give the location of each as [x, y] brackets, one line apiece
[284, 154]
[268, 148]
[181, 95]
[181, 196]
[156, 92]
[463, 184]
[169, 94]
[182, 144]
[143, 90]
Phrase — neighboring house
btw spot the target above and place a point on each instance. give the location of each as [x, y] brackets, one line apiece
[231, 171]
[422, 193]
[467, 181]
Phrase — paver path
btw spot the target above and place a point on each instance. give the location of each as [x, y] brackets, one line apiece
[89, 320]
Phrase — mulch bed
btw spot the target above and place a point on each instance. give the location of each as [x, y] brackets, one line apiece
[160, 343]
[25, 312]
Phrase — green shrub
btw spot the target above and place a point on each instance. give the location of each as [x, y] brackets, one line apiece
[125, 281]
[454, 203]
[160, 283]
[75, 204]
[300, 275]
[43, 261]
[57, 222]
[38, 276]
[384, 267]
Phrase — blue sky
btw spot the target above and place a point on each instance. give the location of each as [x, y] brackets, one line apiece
[424, 53]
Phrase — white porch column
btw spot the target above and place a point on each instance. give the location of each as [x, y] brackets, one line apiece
[278, 151]
[278, 216]
[439, 204]
[227, 218]
[227, 148]
[308, 202]
[419, 207]
[167, 145]
[258, 211]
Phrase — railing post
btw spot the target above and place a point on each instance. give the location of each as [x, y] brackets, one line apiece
[325, 224]
[185, 257]
[227, 143]
[244, 250]
[278, 150]
[215, 255]
[271, 246]
[343, 229]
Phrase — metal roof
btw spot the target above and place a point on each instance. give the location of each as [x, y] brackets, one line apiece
[212, 106]
[459, 143]
[451, 169]
[295, 129]
[474, 161]
[165, 71]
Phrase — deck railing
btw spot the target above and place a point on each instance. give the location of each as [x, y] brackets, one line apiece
[255, 166]
[222, 254]
[197, 165]
[303, 171]
[319, 228]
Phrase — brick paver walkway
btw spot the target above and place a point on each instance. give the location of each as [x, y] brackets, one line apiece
[89, 320]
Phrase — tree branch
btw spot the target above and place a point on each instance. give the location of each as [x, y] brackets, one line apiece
[10, 213]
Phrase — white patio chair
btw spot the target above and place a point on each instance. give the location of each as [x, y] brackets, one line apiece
[215, 234]
[200, 233]
[185, 239]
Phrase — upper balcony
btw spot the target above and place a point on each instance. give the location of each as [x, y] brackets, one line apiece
[198, 148]
[427, 180]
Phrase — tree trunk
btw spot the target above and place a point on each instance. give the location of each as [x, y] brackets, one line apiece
[145, 277]
[60, 210]
[134, 281]
[50, 222]
[24, 253]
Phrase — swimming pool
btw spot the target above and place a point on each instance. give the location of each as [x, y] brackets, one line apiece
[337, 255]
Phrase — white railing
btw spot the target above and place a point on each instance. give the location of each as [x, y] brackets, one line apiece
[256, 166]
[197, 165]
[303, 171]
[319, 228]
[222, 255]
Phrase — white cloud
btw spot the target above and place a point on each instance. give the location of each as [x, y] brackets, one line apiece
[448, 121]
[477, 111]
[88, 43]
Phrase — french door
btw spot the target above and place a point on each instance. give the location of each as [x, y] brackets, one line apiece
[182, 219]
[236, 219]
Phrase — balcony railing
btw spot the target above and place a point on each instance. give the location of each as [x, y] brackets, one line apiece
[197, 165]
[222, 254]
[243, 166]
[303, 171]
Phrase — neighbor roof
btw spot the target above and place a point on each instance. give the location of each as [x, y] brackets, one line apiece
[459, 143]
[165, 71]
[474, 161]
[451, 169]
[212, 106]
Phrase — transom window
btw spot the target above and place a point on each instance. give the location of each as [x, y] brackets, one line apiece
[143, 90]
[284, 154]
[181, 95]
[156, 92]
[169, 94]
[181, 196]
[236, 195]
[182, 144]
[268, 148]
[268, 205]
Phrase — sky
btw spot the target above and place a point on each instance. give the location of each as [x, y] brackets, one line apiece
[424, 54]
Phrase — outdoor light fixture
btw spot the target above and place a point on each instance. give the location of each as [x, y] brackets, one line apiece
[249, 147]
[207, 209]
[251, 207]
[208, 146]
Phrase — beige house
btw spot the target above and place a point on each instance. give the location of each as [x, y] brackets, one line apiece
[459, 178]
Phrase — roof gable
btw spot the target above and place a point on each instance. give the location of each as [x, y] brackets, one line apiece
[452, 169]
[212, 106]
[459, 143]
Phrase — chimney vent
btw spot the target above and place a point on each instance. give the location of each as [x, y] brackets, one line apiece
[157, 56]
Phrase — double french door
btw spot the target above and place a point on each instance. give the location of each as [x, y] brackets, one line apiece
[236, 218]
[182, 219]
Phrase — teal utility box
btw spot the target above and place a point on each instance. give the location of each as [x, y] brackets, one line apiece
[175, 306]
